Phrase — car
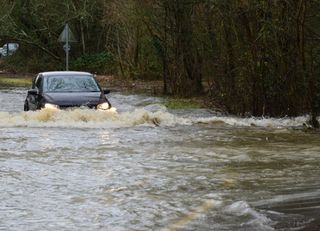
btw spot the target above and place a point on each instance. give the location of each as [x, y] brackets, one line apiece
[9, 49]
[65, 89]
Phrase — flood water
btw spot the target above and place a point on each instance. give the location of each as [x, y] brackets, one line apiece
[150, 168]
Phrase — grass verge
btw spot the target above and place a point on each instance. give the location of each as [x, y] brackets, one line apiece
[15, 82]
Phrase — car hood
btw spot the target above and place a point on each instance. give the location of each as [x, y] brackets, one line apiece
[74, 98]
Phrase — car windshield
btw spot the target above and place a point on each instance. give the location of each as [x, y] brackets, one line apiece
[71, 84]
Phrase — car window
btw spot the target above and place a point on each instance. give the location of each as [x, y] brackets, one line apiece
[34, 81]
[39, 82]
[71, 84]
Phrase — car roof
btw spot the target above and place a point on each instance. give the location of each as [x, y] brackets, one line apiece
[64, 73]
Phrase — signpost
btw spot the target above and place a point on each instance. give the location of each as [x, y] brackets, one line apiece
[66, 37]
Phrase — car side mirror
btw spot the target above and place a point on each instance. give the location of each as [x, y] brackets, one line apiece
[33, 92]
[106, 92]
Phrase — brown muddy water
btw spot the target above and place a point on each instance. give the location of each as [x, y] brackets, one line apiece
[149, 168]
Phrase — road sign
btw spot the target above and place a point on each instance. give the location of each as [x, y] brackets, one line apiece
[67, 34]
[65, 47]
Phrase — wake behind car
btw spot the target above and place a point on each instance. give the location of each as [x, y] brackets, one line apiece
[65, 89]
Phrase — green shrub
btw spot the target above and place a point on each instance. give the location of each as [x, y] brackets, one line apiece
[19, 62]
[97, 63]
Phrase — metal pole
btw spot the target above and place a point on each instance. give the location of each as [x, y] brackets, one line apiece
[67, 48]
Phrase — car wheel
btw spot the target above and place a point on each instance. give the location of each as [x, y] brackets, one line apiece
[26, 106]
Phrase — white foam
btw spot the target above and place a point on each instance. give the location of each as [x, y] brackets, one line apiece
[88, 118]
[147, 116]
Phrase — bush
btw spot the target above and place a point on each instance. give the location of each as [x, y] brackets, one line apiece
[101, 63]
[19, 62]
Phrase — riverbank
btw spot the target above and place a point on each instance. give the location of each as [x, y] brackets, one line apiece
[131, 86]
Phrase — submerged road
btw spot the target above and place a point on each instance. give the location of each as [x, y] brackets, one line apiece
[150, 168]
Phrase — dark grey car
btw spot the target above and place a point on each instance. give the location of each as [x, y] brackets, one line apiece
[65, 89]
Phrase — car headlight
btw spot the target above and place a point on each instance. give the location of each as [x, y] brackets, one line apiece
[103, 106]
[51, 106]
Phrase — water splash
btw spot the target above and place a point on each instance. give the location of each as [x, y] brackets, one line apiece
[147, 116]
[85, 118]
[242, 209]
[256, 122]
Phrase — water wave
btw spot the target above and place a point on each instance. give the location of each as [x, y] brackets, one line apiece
[252, 218]
[256, 122]
[87, 118]
[148, 116]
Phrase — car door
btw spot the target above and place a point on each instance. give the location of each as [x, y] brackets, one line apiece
[35, 99]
